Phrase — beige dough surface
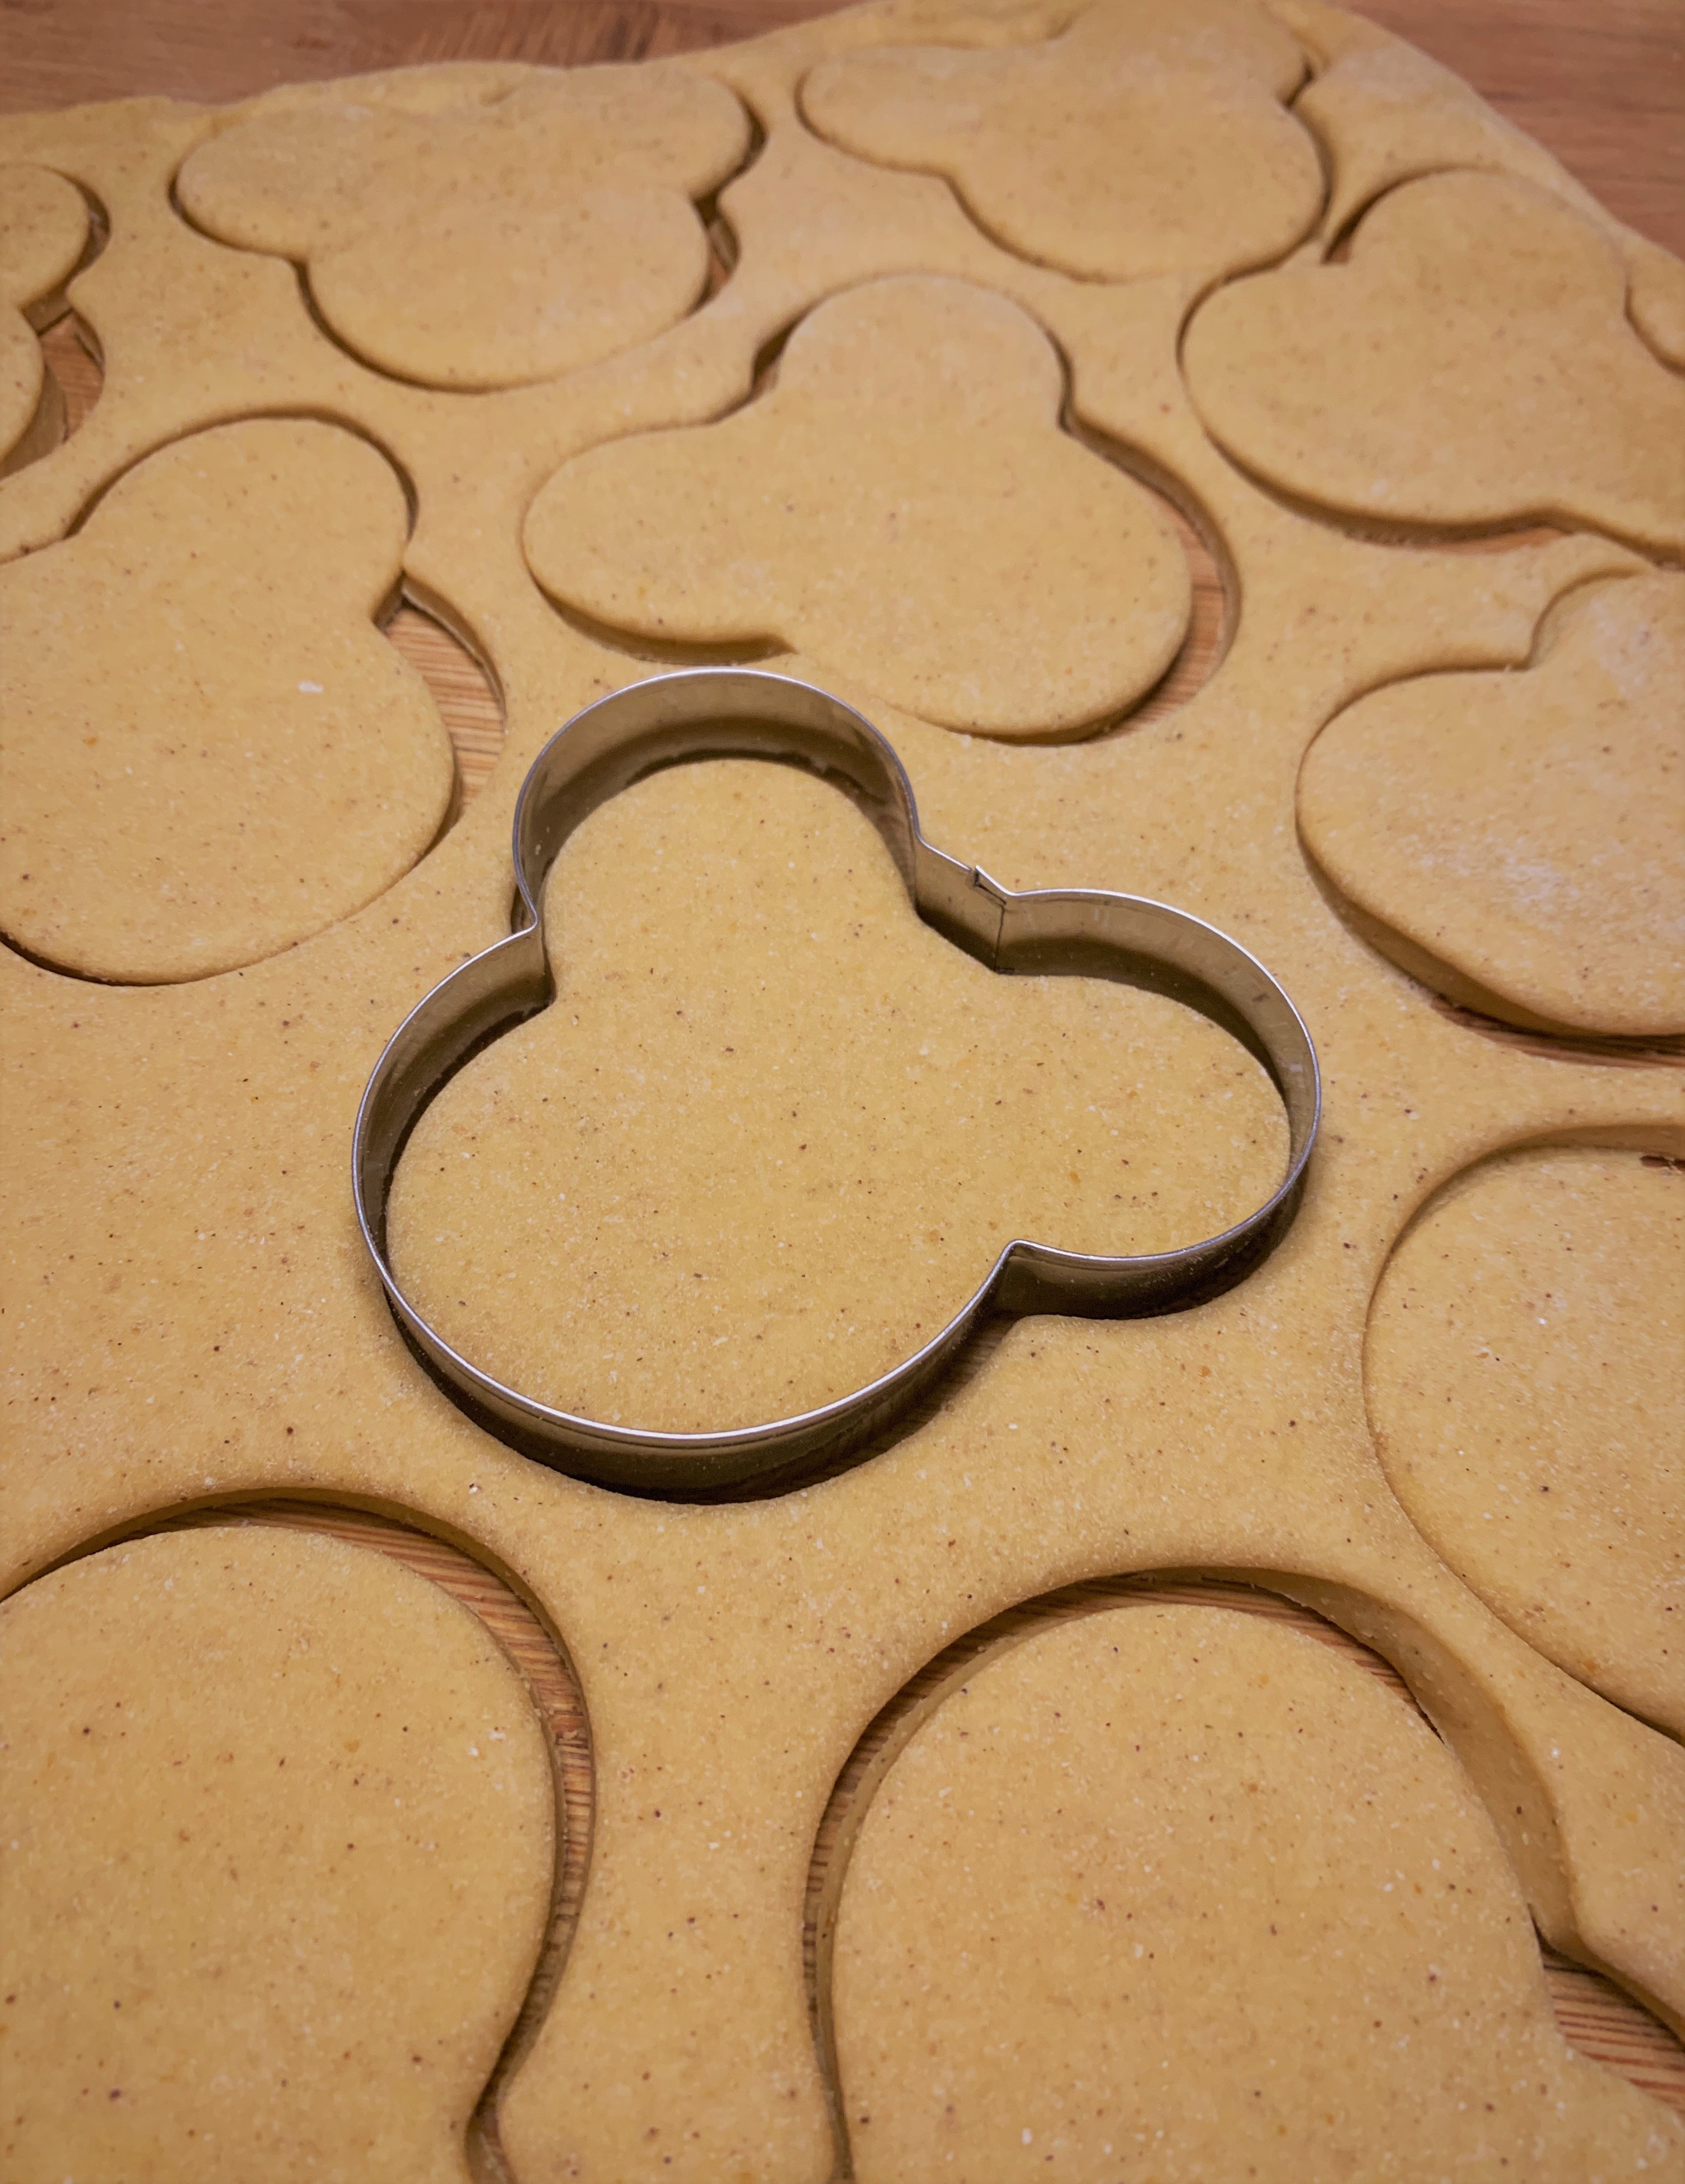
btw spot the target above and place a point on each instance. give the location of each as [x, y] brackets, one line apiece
[774, 1130]
[1386, 113]
[241, 758]
[279, 1825]
[1142, 140]
[511, 238]
[1522, 1374]
[43, 225]
[1158, 1835]
[1472, 362]
[903, 506]
[1518, 840]
[192, 1316]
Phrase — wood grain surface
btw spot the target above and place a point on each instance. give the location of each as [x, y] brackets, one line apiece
[1602, 86]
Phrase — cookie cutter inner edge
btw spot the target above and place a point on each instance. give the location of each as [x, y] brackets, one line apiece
[720, 712]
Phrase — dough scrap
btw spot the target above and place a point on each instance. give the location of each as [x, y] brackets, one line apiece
[1522, 1375]
[239, 1762]
[1471, 364]
[43, 226]
[491, 245]
[243, 760]
[1141, 140]
[903, 506]
[1519, 839]
[1176, 1893]
[708, 1189]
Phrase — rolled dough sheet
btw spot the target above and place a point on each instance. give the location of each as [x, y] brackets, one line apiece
[194, 1311]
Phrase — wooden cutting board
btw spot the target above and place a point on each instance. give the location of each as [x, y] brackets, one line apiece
[1603, 89]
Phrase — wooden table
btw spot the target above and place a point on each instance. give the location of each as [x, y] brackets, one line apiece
[1602, 85]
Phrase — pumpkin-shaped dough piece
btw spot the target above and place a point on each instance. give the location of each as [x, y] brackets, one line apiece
[1172, 1895]
[43, 226]
[1518, 840]
[1472, 362]
[1522, 1374]
[902, 507]
[487, 245]
[774, 1130]
[279, 1830]
[207, 752]
[1146, 139]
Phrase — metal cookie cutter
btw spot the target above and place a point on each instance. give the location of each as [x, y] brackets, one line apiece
[735, 712]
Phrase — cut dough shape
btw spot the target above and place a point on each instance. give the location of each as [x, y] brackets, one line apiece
[1176, 1893]
[43, 227]
[1522, 1374]
[243, 759]
[238, 1762]
[1386, 114]
[903, 507]
[1471, 364]
[489, 245]
[1144, 140]
[1389, 113]
[1518, 840]
[774, 1130]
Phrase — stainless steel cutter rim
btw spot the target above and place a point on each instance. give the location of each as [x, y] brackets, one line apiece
[720, 712]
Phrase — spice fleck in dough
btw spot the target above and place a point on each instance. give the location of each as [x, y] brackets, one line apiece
[492, 244]
[1140, 140]
[243, 759]
[774, 1130]
[1472, 362]
[279, 1827]
[1522, 1373]
[1173, 1894]
[1519, 839]
[903, 507]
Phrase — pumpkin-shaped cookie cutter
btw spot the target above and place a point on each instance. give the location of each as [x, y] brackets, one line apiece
[718, 712]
